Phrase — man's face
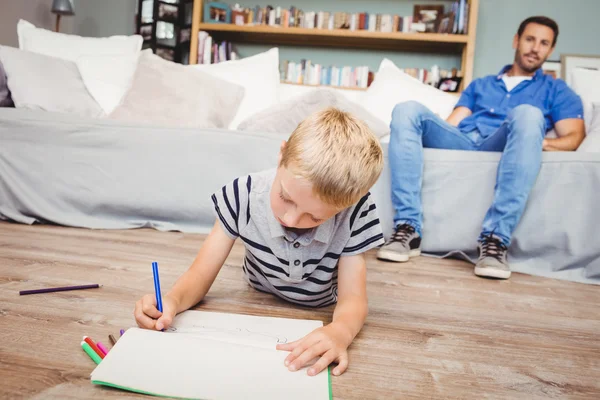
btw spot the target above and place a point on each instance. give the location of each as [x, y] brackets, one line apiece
[533, 47]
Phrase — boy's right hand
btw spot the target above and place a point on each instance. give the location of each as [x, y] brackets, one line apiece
[147, 315]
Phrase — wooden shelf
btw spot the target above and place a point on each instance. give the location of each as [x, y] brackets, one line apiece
[325, 86]
[435, 42]
[344, 38]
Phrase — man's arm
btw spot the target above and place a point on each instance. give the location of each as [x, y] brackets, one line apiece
[570, 132]
[458, 115]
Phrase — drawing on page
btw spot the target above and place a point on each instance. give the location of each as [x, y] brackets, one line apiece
[242, 332]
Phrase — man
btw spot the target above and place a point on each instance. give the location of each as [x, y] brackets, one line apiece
[510, 113]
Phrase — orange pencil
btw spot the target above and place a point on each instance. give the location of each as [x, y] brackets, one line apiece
[93, 346]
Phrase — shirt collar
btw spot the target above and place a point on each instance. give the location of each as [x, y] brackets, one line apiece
[538, 74]
[321, 233]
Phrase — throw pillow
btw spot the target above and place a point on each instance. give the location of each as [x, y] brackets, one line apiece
[392, 86]
[591, 143]
[108, 78]
[259, 75]
[106, 64]
[5, 99]
[167, 93]
[46, 83]
[285, 117]
[586, 83]
[71, 47]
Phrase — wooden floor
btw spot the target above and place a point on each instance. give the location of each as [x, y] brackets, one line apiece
[434, 329]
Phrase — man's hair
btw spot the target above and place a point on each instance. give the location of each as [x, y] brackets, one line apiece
[337, 153]
[549, 22]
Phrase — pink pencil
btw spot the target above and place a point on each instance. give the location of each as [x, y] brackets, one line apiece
[102, 348]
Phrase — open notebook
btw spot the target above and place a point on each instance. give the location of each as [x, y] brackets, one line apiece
[207, 355]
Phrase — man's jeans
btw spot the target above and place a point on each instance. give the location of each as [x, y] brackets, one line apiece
[520, 139]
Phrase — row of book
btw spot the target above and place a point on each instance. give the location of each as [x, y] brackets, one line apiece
[425, 19]
[211, 52]
[307, 73]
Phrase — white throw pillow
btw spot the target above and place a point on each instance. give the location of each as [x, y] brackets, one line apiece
[108, 78]
[71, 47]
[586, 83]
[106, 64]
[289, 91]
[591, 143]
[259, 75]
[392, 86]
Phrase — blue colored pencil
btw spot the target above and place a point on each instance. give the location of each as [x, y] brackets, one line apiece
[157, 286]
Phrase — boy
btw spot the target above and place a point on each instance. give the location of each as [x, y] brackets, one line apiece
[305, 226]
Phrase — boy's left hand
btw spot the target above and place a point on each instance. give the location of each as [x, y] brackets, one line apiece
[330, 342]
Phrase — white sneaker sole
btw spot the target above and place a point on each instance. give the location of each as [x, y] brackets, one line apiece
[488, 272]
[393, 256]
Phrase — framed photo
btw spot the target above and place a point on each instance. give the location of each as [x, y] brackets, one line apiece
[552, 68]
[430, 15]
[571, 61]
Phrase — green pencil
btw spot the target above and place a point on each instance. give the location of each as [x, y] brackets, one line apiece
[86, 347]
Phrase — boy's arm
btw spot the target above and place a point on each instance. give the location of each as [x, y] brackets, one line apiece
[332, 341]
[191, 287]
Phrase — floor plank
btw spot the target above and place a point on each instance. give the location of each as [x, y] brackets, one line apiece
[434, 329]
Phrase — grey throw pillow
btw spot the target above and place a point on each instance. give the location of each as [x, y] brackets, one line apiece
[5, 99]
[46, 83]
[166, 93]
[285, 117]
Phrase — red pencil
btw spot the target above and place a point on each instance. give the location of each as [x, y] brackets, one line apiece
[93, 346]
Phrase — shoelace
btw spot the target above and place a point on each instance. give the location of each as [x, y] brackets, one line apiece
[492, 247]
[403, 232]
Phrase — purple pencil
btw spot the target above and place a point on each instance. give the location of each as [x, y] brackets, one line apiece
[58, 289]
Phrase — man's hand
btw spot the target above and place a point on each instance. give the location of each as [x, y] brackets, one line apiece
[458, 115]
[330, 343]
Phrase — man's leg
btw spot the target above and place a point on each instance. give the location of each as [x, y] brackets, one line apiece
[413, 127]
[520, 138]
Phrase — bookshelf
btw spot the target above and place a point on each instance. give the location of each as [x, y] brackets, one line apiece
[463, 44]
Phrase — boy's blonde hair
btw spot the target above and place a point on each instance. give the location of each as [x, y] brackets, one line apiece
[337, 153]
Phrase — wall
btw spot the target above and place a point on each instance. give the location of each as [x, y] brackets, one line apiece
[35, 11]
[99, 18]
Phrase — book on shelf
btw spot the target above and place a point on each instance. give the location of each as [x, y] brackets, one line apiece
[306, 72]
[453, 21]
[211, 52]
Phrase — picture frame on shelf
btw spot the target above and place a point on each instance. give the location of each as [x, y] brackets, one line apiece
[552, 68]
[217, 13]
[428, 14]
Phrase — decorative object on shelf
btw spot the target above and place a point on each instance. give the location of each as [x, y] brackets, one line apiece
[217, 13]
[166, 27]
[60, 8]
[239, 15]
[552, 68]
[429, 15]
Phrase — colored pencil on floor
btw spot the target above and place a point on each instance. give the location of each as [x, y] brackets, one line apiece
[91, 343]
[122, 332]
[102, 348]
[86, 347]
[58, 289]
[112, 340]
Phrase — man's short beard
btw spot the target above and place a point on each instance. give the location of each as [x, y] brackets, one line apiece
[525, 68]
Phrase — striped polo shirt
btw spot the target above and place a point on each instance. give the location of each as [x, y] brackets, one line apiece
[302, 268]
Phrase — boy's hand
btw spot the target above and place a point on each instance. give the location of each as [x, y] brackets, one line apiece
[147, 315]
[330, 342]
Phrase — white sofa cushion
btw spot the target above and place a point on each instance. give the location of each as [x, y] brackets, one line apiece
[392, 86]
[259, 75]
[586, 83]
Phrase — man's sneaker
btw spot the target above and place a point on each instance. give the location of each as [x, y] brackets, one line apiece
[404, 244]
[492, 258]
